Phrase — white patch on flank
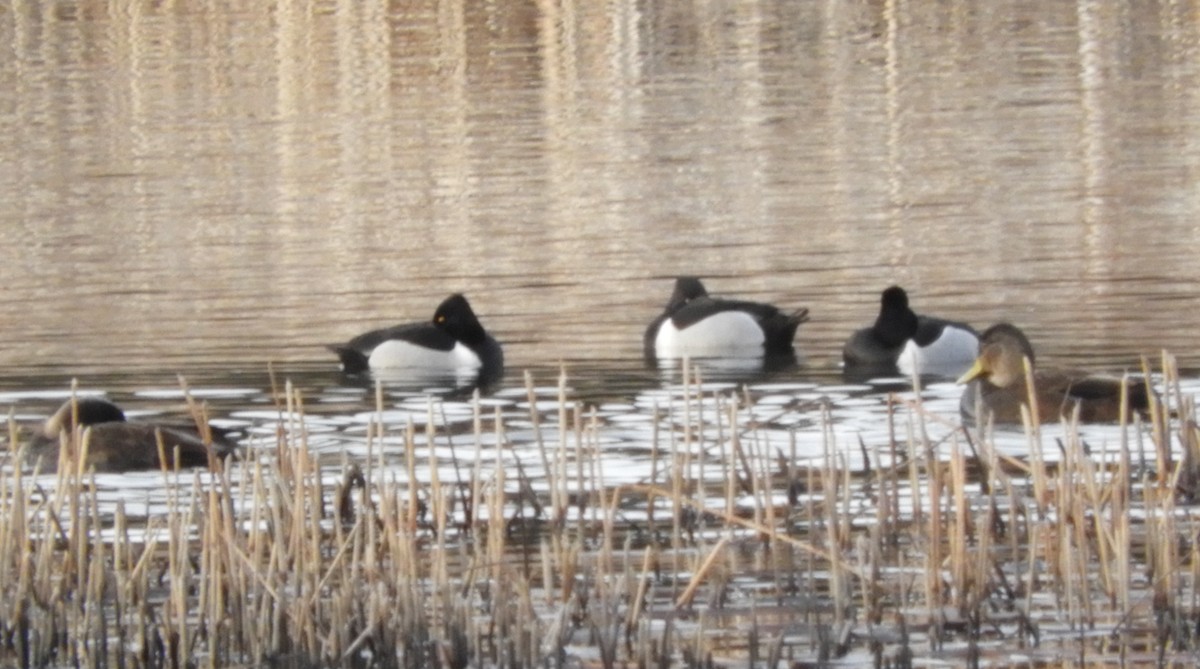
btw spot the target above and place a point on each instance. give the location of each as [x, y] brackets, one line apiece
[400, 354]
[724, 334]
[949, 355]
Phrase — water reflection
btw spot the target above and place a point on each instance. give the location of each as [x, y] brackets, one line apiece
[244, 195]
[748, 368]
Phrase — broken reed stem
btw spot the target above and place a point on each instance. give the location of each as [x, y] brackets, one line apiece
[685, 598]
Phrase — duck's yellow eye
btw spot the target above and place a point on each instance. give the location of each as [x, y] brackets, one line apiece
[440, 319]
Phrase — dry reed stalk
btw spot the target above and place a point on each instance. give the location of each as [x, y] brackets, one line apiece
[810, 519]
[583, 481]
[869, 549]
[549, 583]
[697, 463]
[791, 470]
[573, 419]
[1037, 465]
[934, 594]
[1095, 495]
[830, 484]
[1065, 535]
[476, 501]
[535, 419]
[1122, 531]
[604, 604]
[1193, 605]
[437, 501]
[744, 470]
[555, 477]
[776, 534]
[764, 504]
[595, 470]
[643, 578]
[758, 481]
[604, 560]
[1188, 431]
[676, 460]
[916, 406]
[887, 509]
[1162, 545]
[1033, 421]
[655, 464]
[1160, 418]
[914, 478]
[981, 578]
[693, 443]
[844, 498]
[699, 575]
[729, 469]
[496, 526]
[265, 575]
[1075, 545]
[958, 533]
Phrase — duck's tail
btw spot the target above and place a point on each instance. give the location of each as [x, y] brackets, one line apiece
[797, 317]
[782, 330]
[353, 360]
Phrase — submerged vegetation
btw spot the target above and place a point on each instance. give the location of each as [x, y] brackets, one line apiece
[730, 550]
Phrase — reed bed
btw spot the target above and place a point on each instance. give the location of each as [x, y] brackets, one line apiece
[731, 551]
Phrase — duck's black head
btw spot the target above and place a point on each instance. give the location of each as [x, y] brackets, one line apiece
[896, 322]
[894, 298]
[455, 316]
[687, 288]
[83, 412]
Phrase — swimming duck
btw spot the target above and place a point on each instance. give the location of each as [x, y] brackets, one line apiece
[115, 445]
[453, 344]
[1000, 385]
[697, 325]
[902, 340]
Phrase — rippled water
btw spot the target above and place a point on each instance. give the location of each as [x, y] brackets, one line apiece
[216, 188]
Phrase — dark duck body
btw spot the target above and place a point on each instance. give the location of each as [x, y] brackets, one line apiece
[452, 344]
[900, 340]
[115, 444]
[695, 324]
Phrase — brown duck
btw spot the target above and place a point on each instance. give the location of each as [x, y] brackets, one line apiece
[1000, 385]
[115, 445]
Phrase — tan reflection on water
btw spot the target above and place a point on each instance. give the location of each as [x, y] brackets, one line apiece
[241, 182]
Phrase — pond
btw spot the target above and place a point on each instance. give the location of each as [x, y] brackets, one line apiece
[221, 191]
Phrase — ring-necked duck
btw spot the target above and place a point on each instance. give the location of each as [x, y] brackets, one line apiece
[452, 344]
[699, 326]
[114, 445]
[1000, 385]
[908, 342]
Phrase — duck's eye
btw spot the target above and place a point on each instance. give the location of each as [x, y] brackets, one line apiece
[439, 319]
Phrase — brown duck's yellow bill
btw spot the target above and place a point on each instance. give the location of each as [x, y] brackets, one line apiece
[977, 370]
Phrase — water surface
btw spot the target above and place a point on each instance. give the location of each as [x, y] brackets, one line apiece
[210, 189]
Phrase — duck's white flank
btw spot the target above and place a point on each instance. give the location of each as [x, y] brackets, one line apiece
[400, 354]
[722, 334]
[950, 354]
